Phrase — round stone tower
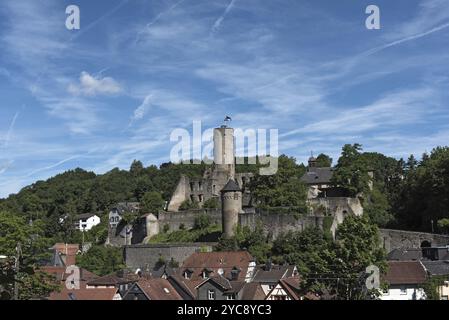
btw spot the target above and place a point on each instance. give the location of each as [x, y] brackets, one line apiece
[231, 206]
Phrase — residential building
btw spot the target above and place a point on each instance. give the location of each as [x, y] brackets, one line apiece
[86, 221]
[233, 266]
[405, 281]
[268, 276]
[440, 271]
[286, 289]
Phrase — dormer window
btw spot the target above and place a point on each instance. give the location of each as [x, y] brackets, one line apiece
[187, 274]
[206, 273]
[235, 274]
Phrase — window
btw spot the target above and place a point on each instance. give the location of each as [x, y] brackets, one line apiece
[191, 186]
[231, 297]
[236, 196]
[403, 290]
[211, 295]
[444, 298]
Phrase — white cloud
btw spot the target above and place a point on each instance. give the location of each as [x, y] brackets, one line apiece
[90, 86]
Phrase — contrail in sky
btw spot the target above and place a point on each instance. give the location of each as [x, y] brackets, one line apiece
[406, 39]
[219, 21]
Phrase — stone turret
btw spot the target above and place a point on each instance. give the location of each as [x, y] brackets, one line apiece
[231, 197]
[224, 158]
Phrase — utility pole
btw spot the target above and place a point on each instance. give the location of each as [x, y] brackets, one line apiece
[17, 269]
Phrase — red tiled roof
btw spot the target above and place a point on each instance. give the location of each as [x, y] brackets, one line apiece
[113, 280]
[405, 272]
[69, 251]
[214, 261]
[60, 273]
[158, 289]
[253, 291]
[84, 294]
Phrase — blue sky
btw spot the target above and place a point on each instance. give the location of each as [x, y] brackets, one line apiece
[113, 91]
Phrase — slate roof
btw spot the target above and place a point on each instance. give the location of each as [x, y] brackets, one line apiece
[231, 186]
[226, 261]
[225, 284]
[158, 289]
[273, 275]
[318, 176]
[405, 255]
[163, 270]
[405, 272]
[85, 216]
[122, 207]
[437, 268]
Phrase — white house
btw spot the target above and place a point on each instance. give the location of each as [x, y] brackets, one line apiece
[86, 221]
[405, 281]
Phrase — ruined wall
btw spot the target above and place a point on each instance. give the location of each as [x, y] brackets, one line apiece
[145, 257]
[187, 218]
[276, 223]
[396, 239]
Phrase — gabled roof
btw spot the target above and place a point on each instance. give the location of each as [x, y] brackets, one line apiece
[226, 285]
[231, 186]
[158, 289]
[318, 176]
[405, 272]
[217, 262]
[291, 287]
[253, 291]
[189, 287]
[163, 270]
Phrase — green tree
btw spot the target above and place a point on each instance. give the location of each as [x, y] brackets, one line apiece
[211, 203]
[377, 208]
[352, 172]
[254, 241]
[323, 160]
[25, 242]
[152, 202]
[101, 260]
[189, 205]
[357, 246]
[443, 225]
[312, 252]
[202, 222]
[283, 189]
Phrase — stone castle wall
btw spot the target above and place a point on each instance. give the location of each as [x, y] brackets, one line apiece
[398, 239]
[145, 257]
